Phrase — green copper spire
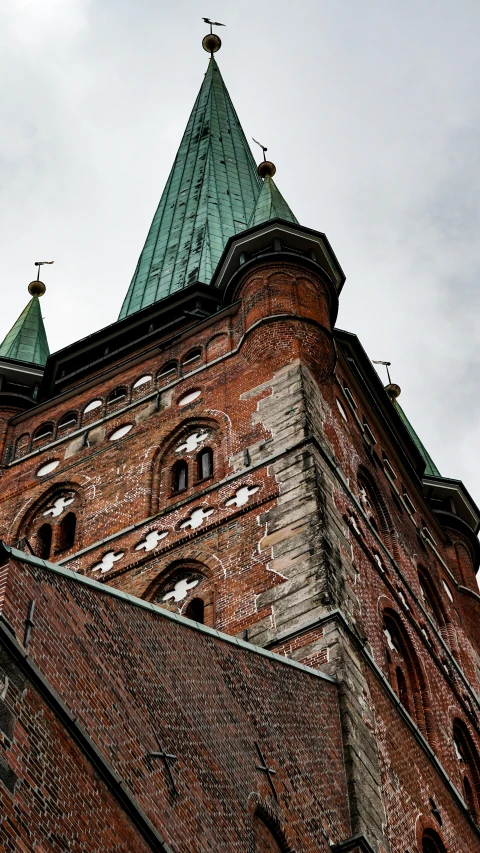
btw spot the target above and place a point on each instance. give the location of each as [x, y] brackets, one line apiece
[209, 196]
[27, 339]
[271, 205]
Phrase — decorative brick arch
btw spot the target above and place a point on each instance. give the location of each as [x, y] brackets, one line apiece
[263, 812]
[435, 603]
[22, 445]
[185, 582]
[166, 457]
[470, 771]
[381, 515]
[465, 561]
[406, 675]
[427, 831]
[34, 518]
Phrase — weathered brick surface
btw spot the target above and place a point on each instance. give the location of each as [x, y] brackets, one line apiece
[309, 564]
[50, 796]
[129, 675]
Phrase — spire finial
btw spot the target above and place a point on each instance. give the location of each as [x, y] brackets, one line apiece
[393, 390]
[211, 42]
[37, 287]
[266, 169]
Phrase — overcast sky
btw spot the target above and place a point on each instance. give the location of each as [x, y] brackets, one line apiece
[371, 112]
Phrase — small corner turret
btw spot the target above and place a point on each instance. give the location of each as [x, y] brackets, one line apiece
[23, 354]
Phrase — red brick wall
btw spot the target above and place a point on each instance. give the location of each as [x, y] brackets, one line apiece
[129, 674]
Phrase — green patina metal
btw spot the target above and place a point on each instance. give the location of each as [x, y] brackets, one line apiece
[431, 469]
[271, 205]
[27, 339]
[210, 195]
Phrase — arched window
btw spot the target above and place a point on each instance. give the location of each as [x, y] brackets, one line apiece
[187, 590]
[469, 797]
[68, 526]
[21, 445]
[195, 610]
[430, 597]
[117, 395]
[180, 476]
[406, 675]
[403, 689]
[205, 463]
[436, 609]
[168, 371]
[268, 833]
[469, 766]
[66, 423]
[192, 358]
[43, 433]
[376, 508]
[465, 563]
[144, 380]
[432, 843]
[44, 540]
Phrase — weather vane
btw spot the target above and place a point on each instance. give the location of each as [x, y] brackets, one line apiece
[266, 169]
[41, 264]
[37, 287]
[213, 24]
[386, 364]
[263, 147]
[211, 42]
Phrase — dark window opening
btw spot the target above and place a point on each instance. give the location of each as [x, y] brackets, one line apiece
[68, 526]
[44, 539]
[169, 368]
[368, 432]
[407, 677]
[432, 843]
[205, 464]
[43, 432]
[68, 421]
[469, 766]
[193, 355]
[196, 610]
[469, 798]
[180, 476]
[117, 395]
[349, 396]
[403, 690]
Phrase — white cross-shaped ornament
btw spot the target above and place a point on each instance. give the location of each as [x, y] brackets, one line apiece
[389, 638]
[193, 441]
[58, 507]
[242, 496]
[180, 590]
[364, 497]
[107, 561]
[353, 523]
[151, 540]
[197, 518]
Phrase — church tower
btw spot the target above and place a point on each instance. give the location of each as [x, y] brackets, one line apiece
[222, 453]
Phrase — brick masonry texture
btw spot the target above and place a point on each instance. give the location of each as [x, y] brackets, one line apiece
[128, 676]
[324, 549]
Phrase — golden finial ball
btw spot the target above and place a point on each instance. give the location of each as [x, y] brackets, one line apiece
[266, 169]
[36, 288]
[393, 390]
[211, 43]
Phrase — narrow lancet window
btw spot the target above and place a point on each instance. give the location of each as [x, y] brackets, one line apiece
[180, 476]
[68, 528]
[196, 610]
[44, 539]
[205, 464]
